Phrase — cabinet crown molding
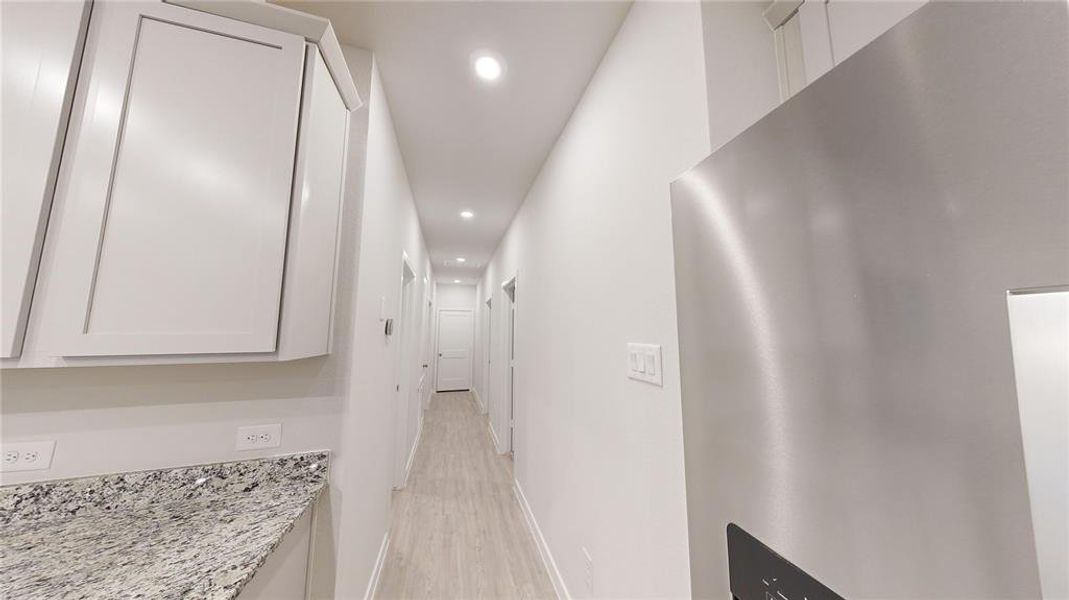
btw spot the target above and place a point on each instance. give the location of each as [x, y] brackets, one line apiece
[314, 29]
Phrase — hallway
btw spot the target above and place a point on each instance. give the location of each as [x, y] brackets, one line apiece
[457, 530]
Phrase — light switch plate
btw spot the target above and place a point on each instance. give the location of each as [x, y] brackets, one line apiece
[644, 363]
[27, 456]
[258, 437]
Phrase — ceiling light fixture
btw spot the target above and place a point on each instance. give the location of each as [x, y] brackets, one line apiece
[487, 66]
[461, 259]
[466, 214]
[456, 281]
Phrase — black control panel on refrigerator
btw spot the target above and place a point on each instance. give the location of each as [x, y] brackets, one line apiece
[758, 573]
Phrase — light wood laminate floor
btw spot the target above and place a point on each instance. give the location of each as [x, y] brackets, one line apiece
[457, 530]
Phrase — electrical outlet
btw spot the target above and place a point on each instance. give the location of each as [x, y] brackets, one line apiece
[588, 564]
[258, 437]
[27, 456]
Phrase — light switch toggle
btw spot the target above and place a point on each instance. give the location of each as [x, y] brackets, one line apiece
[644, 363]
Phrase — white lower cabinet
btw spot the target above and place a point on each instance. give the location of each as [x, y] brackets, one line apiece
[284, 576]
[190, 221]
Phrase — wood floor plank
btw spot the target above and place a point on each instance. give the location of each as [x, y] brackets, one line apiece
[456, 529]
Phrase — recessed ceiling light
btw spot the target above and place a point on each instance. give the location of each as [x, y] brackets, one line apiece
[487, 66]
[461, 259]
[456, 281]
[467, 214]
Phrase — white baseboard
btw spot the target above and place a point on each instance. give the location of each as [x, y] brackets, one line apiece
[376, 573]
[540, 541]
[493, 438]
[478, 401]
[412, 452]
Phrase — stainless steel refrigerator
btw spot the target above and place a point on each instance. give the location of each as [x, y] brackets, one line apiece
[842, 271]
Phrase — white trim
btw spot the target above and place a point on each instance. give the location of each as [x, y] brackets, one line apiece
[478, 400]
[540, 541]
[376, 573]
[493, 437]
[779, 12]
[312, 28]
[403, 322]
[412, 452]
[309, 563]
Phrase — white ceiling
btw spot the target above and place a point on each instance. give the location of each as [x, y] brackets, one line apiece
[468, 144]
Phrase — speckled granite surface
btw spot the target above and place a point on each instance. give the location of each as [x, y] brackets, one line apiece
[191, 532]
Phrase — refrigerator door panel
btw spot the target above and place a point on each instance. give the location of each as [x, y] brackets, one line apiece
[841, 271]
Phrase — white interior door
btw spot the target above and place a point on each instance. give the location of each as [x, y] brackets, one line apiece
[512, 376]
[455, 333]
[510, 364]
[403, 415]
[488, 350]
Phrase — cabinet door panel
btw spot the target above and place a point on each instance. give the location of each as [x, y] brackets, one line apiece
[318, 187]
[42, 45]
[174, 236]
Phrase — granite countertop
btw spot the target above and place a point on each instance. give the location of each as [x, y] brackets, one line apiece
[191, 532]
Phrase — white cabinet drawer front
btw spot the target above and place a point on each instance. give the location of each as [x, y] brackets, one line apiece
[173, 236]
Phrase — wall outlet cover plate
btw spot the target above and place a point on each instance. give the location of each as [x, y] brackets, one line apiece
[27, 456]
[258, 437]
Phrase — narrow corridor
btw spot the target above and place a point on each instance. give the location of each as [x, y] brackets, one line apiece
[457, 530]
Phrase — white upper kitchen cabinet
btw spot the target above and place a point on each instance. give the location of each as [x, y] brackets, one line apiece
[315, 219]
[854, 23]
[813, 36]
[41, 44]
[171, 233]
[196, 210]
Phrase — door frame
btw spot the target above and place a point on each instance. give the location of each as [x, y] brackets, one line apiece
[438, 348]
[427, 333]
[488, 350]
[509, 348]
[402, 389]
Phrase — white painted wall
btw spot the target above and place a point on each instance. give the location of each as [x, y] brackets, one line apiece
[390, 227]
[480, 369]
[599, 456]
[108, 419]
[740, 67]
[456, 296]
